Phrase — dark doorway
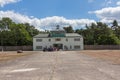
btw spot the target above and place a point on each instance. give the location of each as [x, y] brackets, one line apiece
[59, 46]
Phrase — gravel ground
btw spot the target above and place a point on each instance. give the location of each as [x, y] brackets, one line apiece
[61, 65]
[109, 55]
[8, 55]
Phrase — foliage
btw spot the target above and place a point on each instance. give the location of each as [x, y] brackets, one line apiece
[14, 34]
[101, 34]
[22, 34]
[69, 29]
[116, 28]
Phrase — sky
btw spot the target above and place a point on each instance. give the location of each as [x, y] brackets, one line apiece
[46, 14]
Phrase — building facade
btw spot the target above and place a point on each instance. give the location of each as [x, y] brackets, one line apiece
[58, 39]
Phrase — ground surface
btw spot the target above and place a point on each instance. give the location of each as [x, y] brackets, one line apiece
[4, 56]
[68, 65]
[109, 55]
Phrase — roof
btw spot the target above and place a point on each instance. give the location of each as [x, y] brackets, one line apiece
[72, 35]
[60, 30]
[41, 35]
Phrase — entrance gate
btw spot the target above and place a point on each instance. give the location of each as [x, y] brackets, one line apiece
[59, 46]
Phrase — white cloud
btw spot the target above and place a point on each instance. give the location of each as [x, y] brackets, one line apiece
[56, 20]
[45, 23]
[118, 3]
[4, 2]
[107, 3]
[108, 14]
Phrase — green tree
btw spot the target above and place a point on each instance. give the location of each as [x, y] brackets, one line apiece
[69, 29]
[116, 28]
[114, 24]
[19, 34]
[99, 34]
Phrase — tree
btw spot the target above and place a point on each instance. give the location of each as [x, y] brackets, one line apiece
[69, 29]
[99, 34]
[105, 35]
[19, 34]
[114, 25]
[116, 28]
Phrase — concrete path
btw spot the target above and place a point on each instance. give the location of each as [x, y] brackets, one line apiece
[68, 65]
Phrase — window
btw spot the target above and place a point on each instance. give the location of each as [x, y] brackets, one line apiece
[49, 40]
[38, 47]
[76, 47]
[77, 39]
[67, 40]
[38, 40]
[70, 47]
[57, 39]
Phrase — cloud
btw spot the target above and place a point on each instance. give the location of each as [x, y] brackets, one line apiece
[56, 20]
[118, 3]
[45, 23]
[4, 2]
[107, 3]
[108, 14]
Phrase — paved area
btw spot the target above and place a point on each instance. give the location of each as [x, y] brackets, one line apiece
[68, 65]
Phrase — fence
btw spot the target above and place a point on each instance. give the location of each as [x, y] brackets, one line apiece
[15, 48]
[86, 47]
[101, 47]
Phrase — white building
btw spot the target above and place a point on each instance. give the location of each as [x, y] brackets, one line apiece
[59, 39]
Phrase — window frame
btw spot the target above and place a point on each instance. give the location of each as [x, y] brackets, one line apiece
[49, 40]
[39, 47]
[77, 47]
[58, 39]
[77, 39]
[39, 40]
[66, 39]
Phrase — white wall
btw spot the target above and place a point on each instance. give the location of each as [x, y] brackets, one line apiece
[45, 42]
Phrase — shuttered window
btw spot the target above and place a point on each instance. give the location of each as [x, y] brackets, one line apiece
[38, 40]
[57, 39]
[38, 47]
[77, 47]
[77, 39]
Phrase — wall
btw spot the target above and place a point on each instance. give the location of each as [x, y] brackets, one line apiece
[45, 42]
[15, 48]
[101, 47]
[86, 47]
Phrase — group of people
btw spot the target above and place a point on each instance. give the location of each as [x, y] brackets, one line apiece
[50, 49]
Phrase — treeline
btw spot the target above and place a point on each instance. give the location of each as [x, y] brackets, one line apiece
[19, 34]
[99, 33]
[13, 34]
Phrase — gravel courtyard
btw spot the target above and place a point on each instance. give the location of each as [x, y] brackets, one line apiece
[61, 65]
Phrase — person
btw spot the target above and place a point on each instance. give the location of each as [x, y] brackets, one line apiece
[45, 49]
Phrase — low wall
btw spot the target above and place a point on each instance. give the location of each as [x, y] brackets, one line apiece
[15, 48]
[86, 47]
[101, 47]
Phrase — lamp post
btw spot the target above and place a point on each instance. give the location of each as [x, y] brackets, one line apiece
[1, 30]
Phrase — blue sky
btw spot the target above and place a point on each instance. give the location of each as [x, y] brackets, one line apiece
[48, 13]
[44, 8]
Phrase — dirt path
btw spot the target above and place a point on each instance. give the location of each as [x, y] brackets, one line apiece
[68, 65]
